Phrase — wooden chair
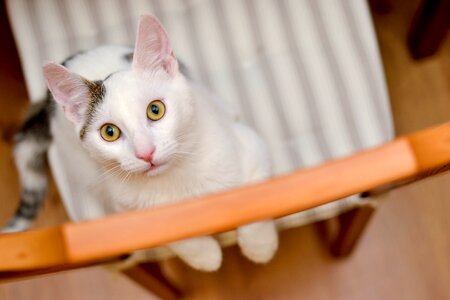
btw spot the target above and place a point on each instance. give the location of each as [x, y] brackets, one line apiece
[75, 245]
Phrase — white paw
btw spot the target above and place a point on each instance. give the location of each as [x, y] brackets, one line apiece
[203, 253]
[258, 241]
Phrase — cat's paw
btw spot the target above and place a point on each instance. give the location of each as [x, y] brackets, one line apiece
[258, 241]
[202, 253]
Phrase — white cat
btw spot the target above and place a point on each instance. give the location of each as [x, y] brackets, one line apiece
[159, 137]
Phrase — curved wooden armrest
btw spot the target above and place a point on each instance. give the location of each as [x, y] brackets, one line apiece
[74, 244]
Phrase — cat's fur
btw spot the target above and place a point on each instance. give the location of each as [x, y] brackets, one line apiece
[197, 146]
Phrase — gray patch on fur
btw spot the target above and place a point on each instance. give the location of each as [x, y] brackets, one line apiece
[29, 204]
[39, 164]
[35, 129]
[107, 77]
[67, 60]
[28, 210]
[128, 57]
[96, 94]
[37, 122]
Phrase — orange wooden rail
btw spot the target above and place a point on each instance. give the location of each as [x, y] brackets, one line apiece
[111, 236]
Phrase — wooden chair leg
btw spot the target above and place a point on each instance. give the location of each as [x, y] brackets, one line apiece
[429, 28]
[149, 276]
[351, 227]
[381, 6]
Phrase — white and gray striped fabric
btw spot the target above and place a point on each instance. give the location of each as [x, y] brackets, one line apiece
[306, 74]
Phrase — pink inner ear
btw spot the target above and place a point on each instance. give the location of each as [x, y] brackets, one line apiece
[68, 90]
[152, 49]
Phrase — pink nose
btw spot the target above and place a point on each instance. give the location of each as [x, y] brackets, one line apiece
[146, 155]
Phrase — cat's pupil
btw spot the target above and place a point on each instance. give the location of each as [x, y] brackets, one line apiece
[155, 109]
[109, 131]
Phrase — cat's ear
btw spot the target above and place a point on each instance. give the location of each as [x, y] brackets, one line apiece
[68, 89]
[153, 49]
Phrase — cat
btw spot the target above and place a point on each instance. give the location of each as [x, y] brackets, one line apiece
[159, 137]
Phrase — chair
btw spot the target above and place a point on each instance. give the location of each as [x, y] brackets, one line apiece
[312, 66]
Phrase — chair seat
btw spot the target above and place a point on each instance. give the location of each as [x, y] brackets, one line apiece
[305, 74]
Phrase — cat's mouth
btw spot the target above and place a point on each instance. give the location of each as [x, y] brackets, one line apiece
[155, 169]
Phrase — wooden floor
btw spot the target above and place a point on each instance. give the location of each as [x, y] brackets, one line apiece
[405, 253]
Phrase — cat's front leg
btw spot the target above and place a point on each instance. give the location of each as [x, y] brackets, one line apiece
[201, 253]
[258, 241]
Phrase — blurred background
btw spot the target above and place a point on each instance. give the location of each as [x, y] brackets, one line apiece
[404, 254]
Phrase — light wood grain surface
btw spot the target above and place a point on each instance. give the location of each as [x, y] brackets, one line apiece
[403, 255]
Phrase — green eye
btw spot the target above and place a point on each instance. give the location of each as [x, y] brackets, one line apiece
[156, 110]
[110, 132]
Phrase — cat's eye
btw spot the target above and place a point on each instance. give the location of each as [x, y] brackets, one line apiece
[110, 132]
[156, 110]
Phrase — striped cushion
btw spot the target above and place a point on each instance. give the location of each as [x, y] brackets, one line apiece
[306, 74]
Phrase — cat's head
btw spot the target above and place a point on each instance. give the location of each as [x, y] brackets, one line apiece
[137, 120]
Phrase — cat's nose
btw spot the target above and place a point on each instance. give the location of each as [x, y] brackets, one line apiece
[146, 154]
